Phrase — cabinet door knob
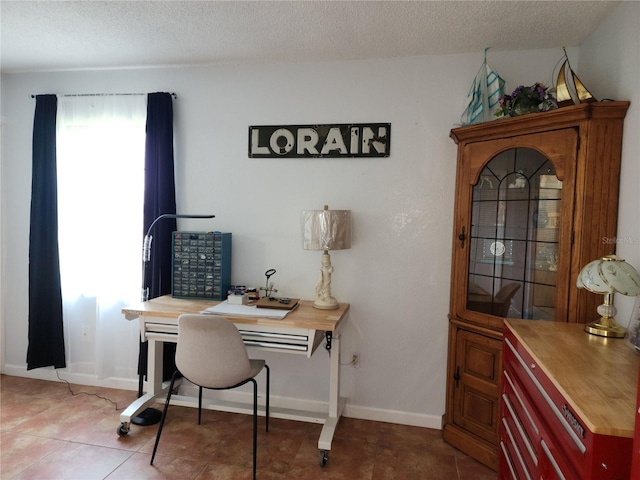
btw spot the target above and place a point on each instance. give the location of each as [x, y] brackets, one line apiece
[462, 237]
[533, 366]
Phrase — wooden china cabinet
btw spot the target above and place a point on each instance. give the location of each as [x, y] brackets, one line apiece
[536, 200]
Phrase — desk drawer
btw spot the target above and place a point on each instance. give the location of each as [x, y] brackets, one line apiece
[289, 340]
[152, 327]
[281, 339]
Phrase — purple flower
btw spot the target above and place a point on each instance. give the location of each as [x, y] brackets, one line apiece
[535, 98]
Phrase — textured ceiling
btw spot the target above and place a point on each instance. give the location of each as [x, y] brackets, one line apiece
[59, 35]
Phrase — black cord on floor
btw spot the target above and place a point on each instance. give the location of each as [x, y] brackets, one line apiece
[87, 393]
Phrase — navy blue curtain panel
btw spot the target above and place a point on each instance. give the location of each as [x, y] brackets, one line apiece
[46, 337]
[159, 191]
[160, 198]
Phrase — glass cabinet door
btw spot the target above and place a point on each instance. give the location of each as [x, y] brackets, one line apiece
[515, 224]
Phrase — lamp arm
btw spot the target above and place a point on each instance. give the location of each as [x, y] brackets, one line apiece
[175, 215]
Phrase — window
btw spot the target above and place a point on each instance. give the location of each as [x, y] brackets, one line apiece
[100, 162]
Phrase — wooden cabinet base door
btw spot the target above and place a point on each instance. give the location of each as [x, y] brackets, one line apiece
[476, 411]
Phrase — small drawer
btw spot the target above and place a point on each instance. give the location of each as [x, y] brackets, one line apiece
[522, 405]
[552, 463]
[509, 462]
[513, 426]
[510, 437]
[198, 259]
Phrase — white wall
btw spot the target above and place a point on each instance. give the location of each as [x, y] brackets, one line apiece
[610, 67]
[396, 275]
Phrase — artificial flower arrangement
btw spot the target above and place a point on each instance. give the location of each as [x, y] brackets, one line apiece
[536, 98]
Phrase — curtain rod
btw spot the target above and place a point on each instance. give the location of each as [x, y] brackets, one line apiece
[103, 94]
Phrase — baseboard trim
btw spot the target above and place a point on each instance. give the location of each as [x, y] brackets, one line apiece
[393, 416]
[351, 411]
[51, 374]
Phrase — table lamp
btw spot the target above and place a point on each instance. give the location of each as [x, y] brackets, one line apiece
[608, 275]
[326, 230]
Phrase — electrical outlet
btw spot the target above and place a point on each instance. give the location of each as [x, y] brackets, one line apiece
[355, 360]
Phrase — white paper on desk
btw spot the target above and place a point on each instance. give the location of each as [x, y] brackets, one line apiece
[225, 308]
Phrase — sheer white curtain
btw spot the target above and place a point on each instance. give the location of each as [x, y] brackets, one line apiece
[100, 156]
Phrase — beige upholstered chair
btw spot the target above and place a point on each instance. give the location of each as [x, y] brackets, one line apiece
[211, 354]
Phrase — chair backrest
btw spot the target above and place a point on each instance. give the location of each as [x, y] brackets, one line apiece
[210, 351]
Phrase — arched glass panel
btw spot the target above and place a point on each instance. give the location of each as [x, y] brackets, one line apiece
[513, 259]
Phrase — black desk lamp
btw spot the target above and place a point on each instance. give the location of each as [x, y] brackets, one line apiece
[151, 416]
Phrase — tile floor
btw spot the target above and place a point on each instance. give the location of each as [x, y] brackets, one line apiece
[48, 434]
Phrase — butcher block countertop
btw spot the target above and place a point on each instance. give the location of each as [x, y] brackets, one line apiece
[597, 376]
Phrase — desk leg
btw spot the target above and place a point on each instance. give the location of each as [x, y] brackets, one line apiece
[154, 384]
[334, 377]
[336, 404]
[154, 366]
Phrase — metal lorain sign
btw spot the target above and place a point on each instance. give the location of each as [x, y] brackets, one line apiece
[312, 141]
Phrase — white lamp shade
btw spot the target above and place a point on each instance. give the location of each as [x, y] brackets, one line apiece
[609, 274]
[326, 229]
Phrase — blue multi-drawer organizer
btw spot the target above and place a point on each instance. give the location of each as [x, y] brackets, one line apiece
[201, 265]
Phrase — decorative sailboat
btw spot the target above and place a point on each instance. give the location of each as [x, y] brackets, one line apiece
[566, 93]
[484, 95]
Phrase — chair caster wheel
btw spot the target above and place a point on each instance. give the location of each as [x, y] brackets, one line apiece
[123, 429]
[324, 457]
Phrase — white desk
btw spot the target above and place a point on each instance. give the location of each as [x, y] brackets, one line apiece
[299, 333]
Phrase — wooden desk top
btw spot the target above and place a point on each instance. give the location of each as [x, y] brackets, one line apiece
[597, 376]
[303, 316]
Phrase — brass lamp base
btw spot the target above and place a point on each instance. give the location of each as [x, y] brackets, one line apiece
[605, 327]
